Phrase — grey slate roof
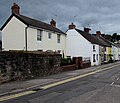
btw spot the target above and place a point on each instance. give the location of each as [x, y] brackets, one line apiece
[93, 39]
[117, 45]
[32, 22]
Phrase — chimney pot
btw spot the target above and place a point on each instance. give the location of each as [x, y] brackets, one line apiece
[98, 33]
[15, 8]
[72, 26]
[53, 23]
[87, 30]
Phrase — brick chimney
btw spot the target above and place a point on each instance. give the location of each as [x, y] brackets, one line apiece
[72, 26]
[98, 33]
[87, 30]
[15, 8]
[53, 23]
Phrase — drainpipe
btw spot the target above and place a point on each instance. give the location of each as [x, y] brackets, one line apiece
[26, 45]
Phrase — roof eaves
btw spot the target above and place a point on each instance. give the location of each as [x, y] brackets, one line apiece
[88, 36]
[13, 14]
[6, 22]
[18, 17]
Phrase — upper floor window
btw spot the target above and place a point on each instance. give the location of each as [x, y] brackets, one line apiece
[94, 48]
[58, 38]
[39, 35]
[49, 35]
[105, 49]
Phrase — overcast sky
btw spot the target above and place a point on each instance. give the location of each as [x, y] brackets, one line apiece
[103, 15]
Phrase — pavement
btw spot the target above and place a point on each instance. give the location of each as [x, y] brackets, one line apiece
[20, 86]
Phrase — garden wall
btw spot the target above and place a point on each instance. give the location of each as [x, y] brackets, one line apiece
[23, 65]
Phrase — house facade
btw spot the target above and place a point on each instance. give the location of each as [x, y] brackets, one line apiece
[115, 52]
[82, 44]
[23, 33]
[107, 47]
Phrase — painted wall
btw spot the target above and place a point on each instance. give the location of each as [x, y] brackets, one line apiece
[14, 38]
[13, 35]
[46, 43]
[118, 53]
[108, 53]
[97, 56]
[115, 53]
[77, 45]
[102, 53]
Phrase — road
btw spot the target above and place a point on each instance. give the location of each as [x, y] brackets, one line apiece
[98, 87]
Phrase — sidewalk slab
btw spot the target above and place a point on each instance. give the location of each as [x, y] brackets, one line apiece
[17, 86]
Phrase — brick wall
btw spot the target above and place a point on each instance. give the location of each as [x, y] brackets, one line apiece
[23, 65]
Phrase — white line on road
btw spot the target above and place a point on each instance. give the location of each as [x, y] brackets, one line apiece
[116, 86]
[117, 78]
[112, 83]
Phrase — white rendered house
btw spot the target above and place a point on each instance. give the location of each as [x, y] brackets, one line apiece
[23, 33]
[83, 44]
[116, 52]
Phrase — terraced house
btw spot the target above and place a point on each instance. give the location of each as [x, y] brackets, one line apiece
[20, 32]
[83, 44]
[107, 47]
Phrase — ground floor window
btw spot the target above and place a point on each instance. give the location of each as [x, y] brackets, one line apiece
[104, 57]
[93, 57]
[97, 57]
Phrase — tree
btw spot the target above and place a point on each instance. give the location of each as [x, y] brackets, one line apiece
[114, 37]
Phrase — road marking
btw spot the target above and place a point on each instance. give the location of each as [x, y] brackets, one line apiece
[74, 78]
[116, 86]
[117, 78]
[52, 85]
[16, 95]
[112, 83]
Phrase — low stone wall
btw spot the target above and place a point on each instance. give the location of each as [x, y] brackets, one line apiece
[68, 67]
[23, 65]
[86, 65]
[80, 64]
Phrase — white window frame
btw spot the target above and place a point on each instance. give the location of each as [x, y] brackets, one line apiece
[39, 35]
[58, 38]
[49, 35]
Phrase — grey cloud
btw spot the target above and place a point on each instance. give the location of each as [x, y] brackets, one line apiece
[98, 14]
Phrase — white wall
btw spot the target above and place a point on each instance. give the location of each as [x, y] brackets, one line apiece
[118, 53]
[46, 43]
[31, 39]
[13, 35]
[115, 53]
[97, 56]
[77, 45]
[0, 35]
[14, 38]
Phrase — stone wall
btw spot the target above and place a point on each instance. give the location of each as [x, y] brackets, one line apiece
[68, 67]
[19, 65]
